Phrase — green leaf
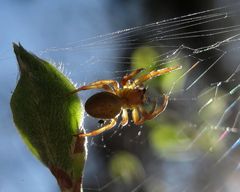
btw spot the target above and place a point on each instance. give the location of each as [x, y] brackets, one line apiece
[144, 57]
[46, 117]
[126, 167]
[167, 140]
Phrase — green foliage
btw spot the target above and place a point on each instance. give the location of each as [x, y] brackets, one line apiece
[46, 117]
[126, 166]
[144, 57]
[167, 141]
[212, 106]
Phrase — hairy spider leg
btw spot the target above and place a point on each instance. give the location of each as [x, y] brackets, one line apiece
[127, 77]
[153, 113]
[155, 73]
[124, 121]
[102, 84]
[135, 115]
[109, 126]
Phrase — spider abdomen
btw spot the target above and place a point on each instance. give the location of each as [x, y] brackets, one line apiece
[103, 105]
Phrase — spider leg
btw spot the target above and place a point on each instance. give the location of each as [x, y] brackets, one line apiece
[130, 76]
[135, 116]
[153, 113]
[155, 73]
[102, 84]
[100, 130]
[124, 121]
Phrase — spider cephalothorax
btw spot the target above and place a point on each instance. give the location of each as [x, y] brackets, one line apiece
[117, 98]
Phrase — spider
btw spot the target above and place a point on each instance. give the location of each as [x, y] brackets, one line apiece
[115, 100]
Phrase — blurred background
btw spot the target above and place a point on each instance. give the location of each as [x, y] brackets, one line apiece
[191, 147]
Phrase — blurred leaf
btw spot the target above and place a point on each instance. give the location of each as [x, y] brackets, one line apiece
[126, 166]
[166, 140]
[209, 140]
[144, 57]
[46, 118]
[212, 106]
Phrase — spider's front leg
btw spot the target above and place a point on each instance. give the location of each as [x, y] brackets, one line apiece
[149, 115]
[155, 73]
[130, 76]
[102, 84]
[100, 130]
